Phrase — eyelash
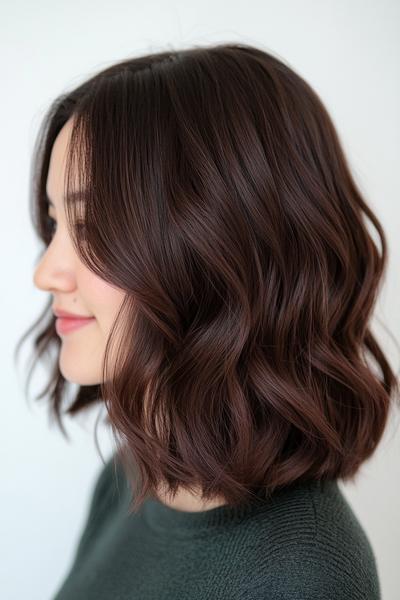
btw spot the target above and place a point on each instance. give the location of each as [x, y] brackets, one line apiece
[52, 222]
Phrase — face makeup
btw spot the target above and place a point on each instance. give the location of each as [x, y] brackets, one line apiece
[84, 304]
[66, 325]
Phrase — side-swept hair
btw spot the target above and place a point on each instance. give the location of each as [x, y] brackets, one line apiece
[217, 195]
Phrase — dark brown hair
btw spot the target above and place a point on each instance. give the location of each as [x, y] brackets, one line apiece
[218, 196]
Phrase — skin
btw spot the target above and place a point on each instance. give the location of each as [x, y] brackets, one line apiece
[78, 290]
[73, 286]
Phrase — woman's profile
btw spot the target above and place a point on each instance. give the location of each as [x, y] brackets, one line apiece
[211, 280]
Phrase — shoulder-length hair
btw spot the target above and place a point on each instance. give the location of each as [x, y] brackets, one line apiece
[217, 195]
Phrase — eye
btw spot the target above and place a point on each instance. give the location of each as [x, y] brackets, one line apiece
[50, 225]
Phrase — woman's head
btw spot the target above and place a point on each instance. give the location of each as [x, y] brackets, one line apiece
[208, 220]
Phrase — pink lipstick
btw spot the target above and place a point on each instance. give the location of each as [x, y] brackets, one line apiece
[67, 321]
[65, 325]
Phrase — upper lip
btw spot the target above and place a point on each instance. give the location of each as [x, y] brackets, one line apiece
[67, 315]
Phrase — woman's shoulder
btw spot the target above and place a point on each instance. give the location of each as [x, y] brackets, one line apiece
[312, 545]
[105, 497]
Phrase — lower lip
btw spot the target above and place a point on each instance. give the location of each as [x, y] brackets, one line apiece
[64, 325]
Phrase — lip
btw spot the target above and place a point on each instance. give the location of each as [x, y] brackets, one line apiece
[65, 314]
[66, 325]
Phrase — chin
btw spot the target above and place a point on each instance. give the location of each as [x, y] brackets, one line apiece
[79, 378]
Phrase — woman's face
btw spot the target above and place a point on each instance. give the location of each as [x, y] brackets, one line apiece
[74, 287]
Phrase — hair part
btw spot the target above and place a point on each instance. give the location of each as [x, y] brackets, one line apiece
[216, 194]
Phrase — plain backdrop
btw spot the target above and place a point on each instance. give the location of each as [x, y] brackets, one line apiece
[349, 51]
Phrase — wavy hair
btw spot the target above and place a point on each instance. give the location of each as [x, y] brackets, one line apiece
[217, 195]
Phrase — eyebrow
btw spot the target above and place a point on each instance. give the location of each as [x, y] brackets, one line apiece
[74, 196]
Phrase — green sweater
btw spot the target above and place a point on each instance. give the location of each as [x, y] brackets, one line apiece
[305, 543]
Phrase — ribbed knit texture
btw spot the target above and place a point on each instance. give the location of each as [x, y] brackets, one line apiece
[304, 543]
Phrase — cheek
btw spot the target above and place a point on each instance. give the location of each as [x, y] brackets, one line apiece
[102, 300]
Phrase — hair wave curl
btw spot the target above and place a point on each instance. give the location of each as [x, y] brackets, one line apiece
[217, 195]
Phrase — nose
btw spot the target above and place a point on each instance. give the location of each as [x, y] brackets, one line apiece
[55, 270]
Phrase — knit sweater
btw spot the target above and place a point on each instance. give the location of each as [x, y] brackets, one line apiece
[304, 543]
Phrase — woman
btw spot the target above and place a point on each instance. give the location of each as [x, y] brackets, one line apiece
[199, 217]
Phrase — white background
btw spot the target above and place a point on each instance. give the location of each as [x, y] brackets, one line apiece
[349, 51]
